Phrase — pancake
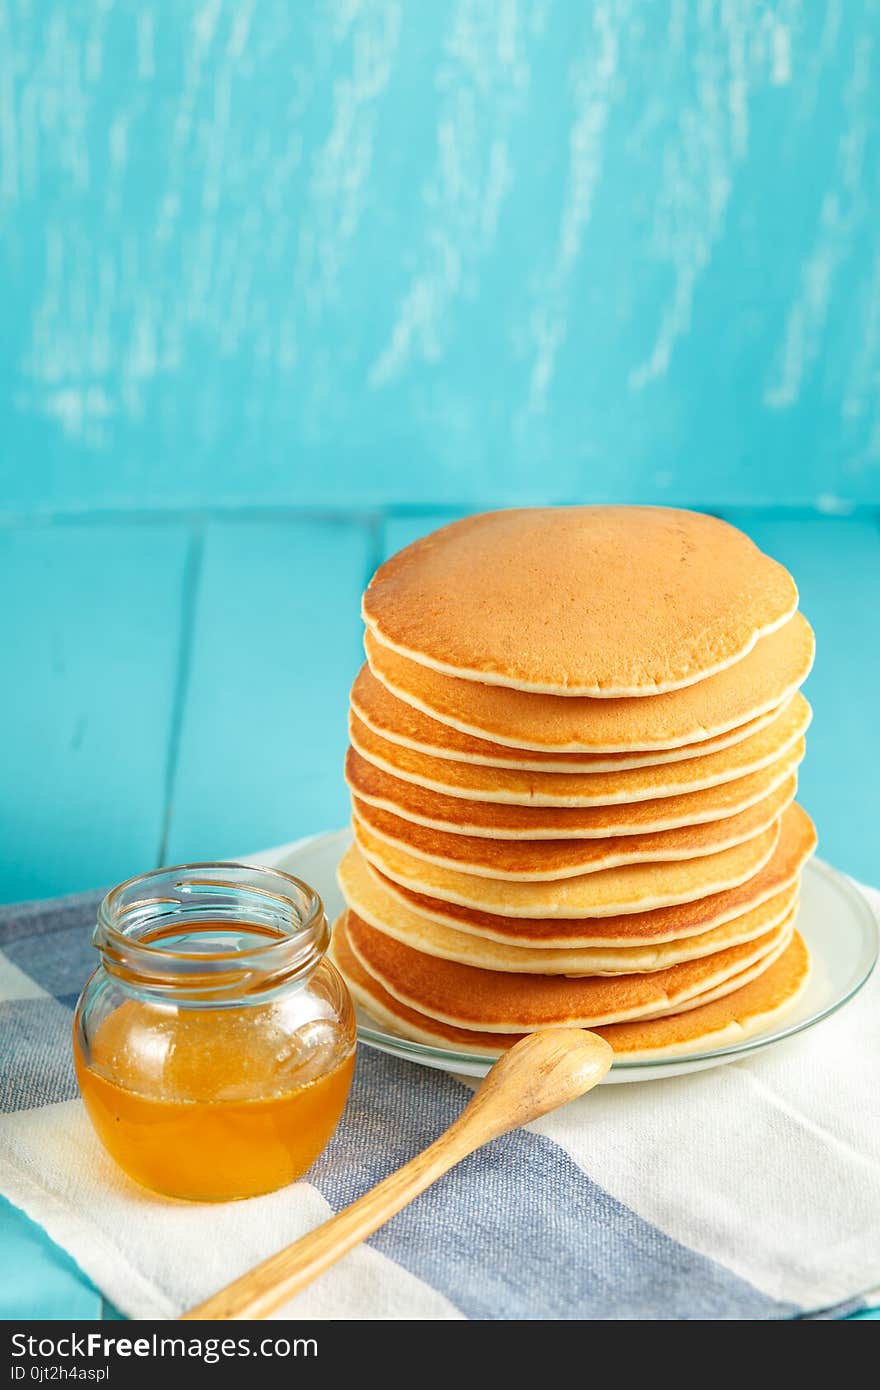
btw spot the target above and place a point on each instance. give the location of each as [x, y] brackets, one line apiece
[762, 680]
[610, 892]
[500, 821]
[751, 1008]
[797, 841]
[495, 1001]
[758, 1002]
[554, 859]
[476, 783]
[393, 719]
[580, 601]
[366, 896]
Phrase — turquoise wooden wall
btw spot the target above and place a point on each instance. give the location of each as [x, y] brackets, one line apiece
[283, 284]
[341, 254]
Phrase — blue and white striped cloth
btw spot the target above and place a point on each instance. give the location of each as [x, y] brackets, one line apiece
[749, 1191]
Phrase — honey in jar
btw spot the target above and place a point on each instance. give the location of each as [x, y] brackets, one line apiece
[214, 1045]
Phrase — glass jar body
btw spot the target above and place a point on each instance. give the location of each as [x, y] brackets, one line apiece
[215, 1051]
[215, 1103]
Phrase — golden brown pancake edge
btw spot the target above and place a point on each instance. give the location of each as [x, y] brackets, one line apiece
[590, 601]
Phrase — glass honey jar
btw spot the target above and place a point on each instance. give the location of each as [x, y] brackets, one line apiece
[214, 1044]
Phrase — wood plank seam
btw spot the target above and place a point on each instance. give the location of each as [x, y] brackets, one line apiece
[188, 616]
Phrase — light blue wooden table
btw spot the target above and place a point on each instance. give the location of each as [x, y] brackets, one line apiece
[285, 286]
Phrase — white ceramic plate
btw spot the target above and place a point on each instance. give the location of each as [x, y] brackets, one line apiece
[834, 918]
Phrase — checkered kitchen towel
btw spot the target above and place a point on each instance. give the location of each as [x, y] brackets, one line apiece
[749, 1191]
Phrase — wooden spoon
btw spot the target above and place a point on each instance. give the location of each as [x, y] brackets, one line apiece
[541, 1072]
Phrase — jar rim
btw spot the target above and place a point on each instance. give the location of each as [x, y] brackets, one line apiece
[211, 892]
[313, 916]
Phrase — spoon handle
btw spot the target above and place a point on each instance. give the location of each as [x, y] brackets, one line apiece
[540, 1072]
[264, 1288]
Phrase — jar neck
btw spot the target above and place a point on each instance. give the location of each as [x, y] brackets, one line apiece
[211, 933]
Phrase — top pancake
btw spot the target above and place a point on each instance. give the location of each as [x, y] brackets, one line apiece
[762, 680]
[393, 719]
[588, 601]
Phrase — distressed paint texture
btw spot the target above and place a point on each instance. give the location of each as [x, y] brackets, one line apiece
[385, 254]
[370, 251]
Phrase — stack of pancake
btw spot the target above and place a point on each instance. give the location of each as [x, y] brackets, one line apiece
[573, 763]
